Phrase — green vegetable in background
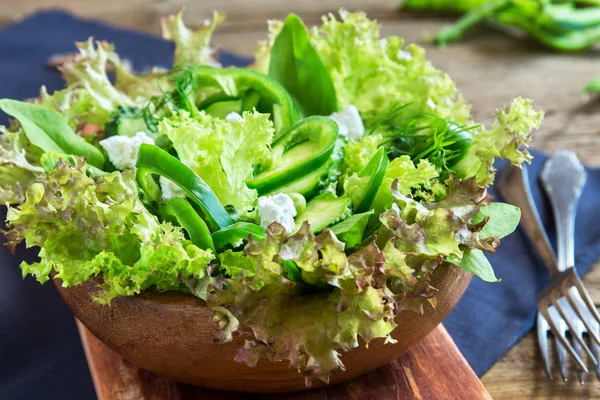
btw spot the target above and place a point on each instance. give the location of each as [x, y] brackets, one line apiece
[568, 26]
[152, 160]
[48, 130]
[297, 66]
[301, 150]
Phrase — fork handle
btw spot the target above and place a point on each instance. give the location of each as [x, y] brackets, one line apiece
[513, 187]
[563, 178]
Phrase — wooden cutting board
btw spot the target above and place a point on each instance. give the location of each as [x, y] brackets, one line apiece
[432, 369]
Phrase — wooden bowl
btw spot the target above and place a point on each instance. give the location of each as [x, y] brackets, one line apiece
[170, 335]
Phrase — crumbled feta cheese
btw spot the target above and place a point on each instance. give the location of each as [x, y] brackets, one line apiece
[277, 208]
[123, 150]
[431, 104]
[233, 116]
[405, 55]
[349, 122]
[169, 189]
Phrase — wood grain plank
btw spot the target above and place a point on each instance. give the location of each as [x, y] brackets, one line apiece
[429, 370]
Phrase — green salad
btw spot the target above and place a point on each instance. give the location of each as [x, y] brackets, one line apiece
[307, 198]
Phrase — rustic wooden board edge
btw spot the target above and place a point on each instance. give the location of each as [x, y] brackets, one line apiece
[433, 369]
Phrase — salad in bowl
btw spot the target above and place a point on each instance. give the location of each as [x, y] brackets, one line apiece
[307, 199]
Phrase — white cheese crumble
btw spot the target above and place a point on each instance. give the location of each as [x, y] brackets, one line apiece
[123, 150]
[431, 103]
[169, 189]
[405, 55]
[277, 208]
[233, 116]
[349, 122]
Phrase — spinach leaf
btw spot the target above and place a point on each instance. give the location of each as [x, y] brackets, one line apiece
[351, 230]
[48, 130]
[504, 219]
[297, 66]
[474, 261]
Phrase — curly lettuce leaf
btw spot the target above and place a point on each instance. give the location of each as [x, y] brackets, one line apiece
[508, 138]
[375, 73]
[88, 71]
[223, 153]
[407, 176]
[19, 164]
[123, 244]
[192, 46]
[289, 322]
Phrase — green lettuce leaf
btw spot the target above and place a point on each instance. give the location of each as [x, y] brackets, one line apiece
[19, 164]
[192, 46]
[351, 230]
[48, 130]
[75, 104]
[474, 261]
[297, 66]
[376, 74]
[123, 244]
[503, 219]
[508, 139]
[221, 152]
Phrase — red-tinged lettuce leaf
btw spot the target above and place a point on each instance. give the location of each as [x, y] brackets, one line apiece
[90, 227]
[290, 321]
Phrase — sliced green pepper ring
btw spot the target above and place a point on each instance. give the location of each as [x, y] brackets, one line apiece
[375, 169]
[234, 233]
[303, 149]
[235, 82]
[180, 211]
[153, 160]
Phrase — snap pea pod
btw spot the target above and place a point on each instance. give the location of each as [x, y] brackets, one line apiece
[153, 160]
[375, 170]
[180, 211]
[303, 149]
[235, 233]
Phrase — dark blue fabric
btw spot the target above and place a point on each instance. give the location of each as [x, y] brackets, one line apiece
[40, 352]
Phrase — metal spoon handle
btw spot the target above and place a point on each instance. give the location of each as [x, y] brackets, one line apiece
[513, 187]
[563, 178]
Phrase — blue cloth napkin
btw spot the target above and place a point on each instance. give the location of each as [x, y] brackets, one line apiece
[40, 352]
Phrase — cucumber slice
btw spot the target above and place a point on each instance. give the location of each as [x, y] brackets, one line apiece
[302, 150]
[325, 210]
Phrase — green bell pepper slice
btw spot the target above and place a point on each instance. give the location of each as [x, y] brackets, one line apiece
[233, 83]
[303, 149]
[153, 160]
[180, 211]
[234, 233]
[375, 170]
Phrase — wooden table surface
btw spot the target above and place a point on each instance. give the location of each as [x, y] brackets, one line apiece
[490, 70]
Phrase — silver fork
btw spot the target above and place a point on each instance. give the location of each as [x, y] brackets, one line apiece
[564, 303]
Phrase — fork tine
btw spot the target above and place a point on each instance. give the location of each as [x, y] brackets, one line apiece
[563, 340]
[596, 351]
[579, 350]
[542, 332]
[588, 300]
[577, 308]
[574, 331]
